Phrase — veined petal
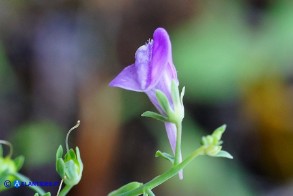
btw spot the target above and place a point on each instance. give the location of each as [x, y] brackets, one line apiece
[127, 79]
[161, 53]
[143, 58]
[171, 71]
[152, 96]
[171, 133]
[172, 136]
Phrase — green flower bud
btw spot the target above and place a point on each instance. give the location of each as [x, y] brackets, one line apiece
[8, 166]
[70, 167]
[212, 144]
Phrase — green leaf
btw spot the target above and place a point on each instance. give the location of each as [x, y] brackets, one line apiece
[224, 154]
[155, 116]
[175, 93]
[163, 101]
[165, 156]
[59, 152]
[18, 161]
[126, 188]
[60, 167]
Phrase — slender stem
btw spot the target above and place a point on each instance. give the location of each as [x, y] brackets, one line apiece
[65, 190]
[67, 136]
[59, 189]
[25, 179]
[178, 143]
[165, 176]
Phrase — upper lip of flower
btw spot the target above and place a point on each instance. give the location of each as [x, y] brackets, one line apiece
[151, 61]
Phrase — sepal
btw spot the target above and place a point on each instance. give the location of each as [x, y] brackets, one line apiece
[59, 152]
[224, 154]
[163, 102]
[60, 167]
[154, 115]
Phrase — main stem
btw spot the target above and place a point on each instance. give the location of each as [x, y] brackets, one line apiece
[65, 190]
[165, 176]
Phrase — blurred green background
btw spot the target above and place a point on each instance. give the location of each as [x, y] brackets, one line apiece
[235, 59]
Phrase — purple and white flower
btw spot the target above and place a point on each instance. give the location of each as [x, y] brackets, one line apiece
[152, 71]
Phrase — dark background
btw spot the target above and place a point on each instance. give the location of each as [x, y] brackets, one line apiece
[234, 57]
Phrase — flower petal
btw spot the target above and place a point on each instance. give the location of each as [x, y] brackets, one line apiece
[171, 71]
[172, 136]
[143, 58]
[161, 53]
[127, 79]
[171, 133]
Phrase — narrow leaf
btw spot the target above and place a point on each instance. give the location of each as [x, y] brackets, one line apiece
[126, 188]
[155, 116]
[224, 154]
[165, 156]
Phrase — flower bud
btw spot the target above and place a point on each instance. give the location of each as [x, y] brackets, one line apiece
[70, 167]
[9, 166]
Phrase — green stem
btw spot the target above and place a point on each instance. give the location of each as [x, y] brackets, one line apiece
[65, 190]
[178, 143]
[25, 179]
[165, 176]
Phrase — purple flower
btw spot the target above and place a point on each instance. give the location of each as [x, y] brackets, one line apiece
[153, 70]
